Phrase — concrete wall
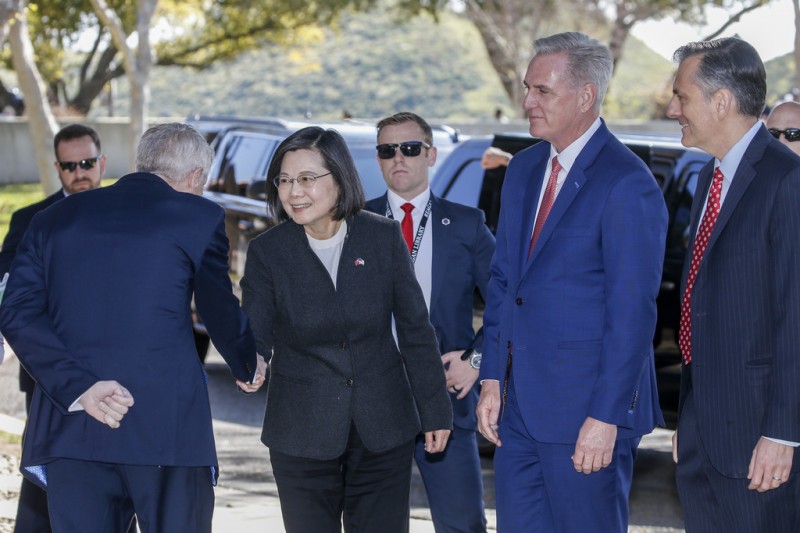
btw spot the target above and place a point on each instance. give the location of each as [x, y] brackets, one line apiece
[17, 164]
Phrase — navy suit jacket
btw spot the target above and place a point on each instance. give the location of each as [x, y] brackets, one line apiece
[580, 314]
[101, 290]
[745, 369]
[462, 251]
[19, 223]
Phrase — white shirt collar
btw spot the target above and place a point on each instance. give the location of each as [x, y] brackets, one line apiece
[396, 201]
[569, 154]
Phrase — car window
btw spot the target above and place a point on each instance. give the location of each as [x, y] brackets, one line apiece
[368, 169]
[244, 160]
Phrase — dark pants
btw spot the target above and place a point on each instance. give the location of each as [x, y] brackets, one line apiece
[538, 490]
[32, 514]
[712, 502]
[363, 490]
[453, 483]
[89, 496]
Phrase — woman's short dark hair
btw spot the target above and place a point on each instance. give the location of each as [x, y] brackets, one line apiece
[336, 158]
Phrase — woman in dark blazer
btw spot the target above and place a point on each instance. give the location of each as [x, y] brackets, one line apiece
[344, 404]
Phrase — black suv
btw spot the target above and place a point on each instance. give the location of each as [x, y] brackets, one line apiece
[461, 179]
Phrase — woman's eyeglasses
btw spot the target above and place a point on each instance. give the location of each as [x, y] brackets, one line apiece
[305, 181]
[408, 149]
[85, 164]
[791, 134]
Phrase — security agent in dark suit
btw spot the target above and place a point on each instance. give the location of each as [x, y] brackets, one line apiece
[739, 420]
[451, 248]
[345, 401]
[80, 165]
[97, 309]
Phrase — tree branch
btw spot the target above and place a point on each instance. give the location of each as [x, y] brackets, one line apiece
[735, 18]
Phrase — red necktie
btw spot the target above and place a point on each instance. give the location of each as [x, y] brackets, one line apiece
[408, 225]
[700, 243]
[547, 203]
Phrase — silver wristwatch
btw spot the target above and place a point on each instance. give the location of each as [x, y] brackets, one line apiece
[475, 360]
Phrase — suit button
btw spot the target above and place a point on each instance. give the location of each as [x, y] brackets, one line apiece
[349, 382]
[343, 346]
[520, 301]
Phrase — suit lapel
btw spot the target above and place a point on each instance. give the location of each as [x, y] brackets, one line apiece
[528, 202]
[573, 184]
[569, 190]
[745, 174]
[441, 236]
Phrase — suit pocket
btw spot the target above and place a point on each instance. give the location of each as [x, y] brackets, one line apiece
[761, 362]
[571, 233]
[581, 345]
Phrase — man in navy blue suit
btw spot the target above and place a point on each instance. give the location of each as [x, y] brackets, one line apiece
[451, 248]
[97, 309]
[80, 164]
[736, 445]
[568, 379]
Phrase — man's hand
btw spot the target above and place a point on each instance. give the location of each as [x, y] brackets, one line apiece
[595, 447]
[488, 411]
[436, 441]
[107, 402]
[675, 446]
[495, 157]
[770, 465]
[459, 374]
[260, 379]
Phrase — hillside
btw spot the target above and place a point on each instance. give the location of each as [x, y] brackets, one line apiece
[373, 65]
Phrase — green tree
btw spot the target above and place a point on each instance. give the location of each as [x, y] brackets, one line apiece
[509, 27]
[14, 27]
[190, 33]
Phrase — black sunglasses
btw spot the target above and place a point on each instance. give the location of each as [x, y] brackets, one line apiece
[85, 164]
[791, 134]
[408, 149]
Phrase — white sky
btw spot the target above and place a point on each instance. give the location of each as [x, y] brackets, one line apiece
[770, 29]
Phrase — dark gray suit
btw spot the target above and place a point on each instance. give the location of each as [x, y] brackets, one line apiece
[744, 378]
[343, 403]
[333, 355]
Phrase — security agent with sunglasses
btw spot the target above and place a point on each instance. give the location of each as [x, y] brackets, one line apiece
[451, 248]
[80, 167]
[784, 124]
[736, 445]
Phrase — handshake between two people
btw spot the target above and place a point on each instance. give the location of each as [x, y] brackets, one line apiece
[108, 401]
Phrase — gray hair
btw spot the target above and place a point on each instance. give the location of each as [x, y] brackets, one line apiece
[172, 151]
[588, 60]
[733, 64]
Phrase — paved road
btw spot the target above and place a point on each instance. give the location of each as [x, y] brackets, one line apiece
[247, 496]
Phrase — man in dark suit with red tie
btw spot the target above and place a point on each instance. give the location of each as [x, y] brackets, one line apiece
[80, 164]
[736, 445]
[451, 248]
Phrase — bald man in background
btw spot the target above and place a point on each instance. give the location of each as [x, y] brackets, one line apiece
[784, 124]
